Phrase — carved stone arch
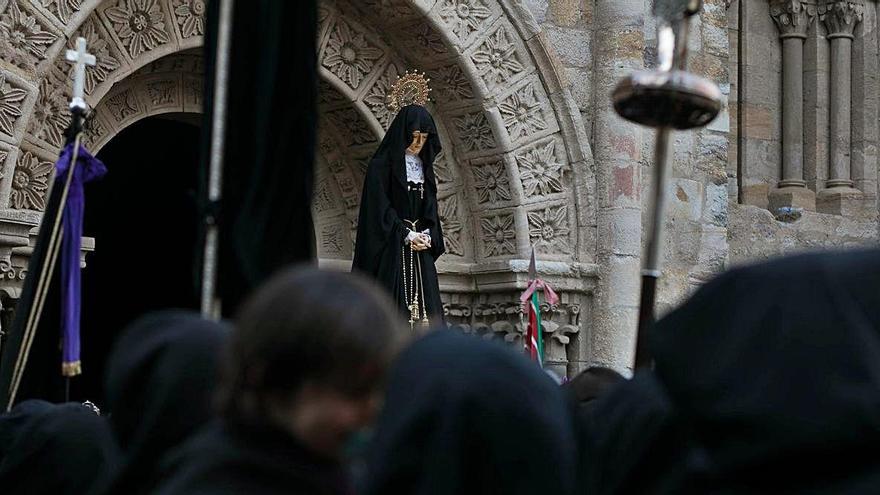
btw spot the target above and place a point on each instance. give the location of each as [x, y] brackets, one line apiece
[508, 161]
[517, 156]
[166, 27]
[170, 85]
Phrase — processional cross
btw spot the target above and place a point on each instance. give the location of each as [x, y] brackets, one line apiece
[46, 253]
[80, 59]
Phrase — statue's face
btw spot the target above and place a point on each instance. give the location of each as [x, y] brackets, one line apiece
[418, 142]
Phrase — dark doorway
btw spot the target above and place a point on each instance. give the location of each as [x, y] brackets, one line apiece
[144, 220]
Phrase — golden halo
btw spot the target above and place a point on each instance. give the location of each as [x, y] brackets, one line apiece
[409, 89]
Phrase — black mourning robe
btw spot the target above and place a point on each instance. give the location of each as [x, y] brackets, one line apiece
[232, 458]
[160, 381]
[50, 449]
[632, 441]
[386, 204]
[776, 367]
[467, 416]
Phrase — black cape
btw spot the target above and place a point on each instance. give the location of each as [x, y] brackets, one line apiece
[49, 449]
[265, 211]
[632, 441]
[232, 459]
[385, 204]
[777, 368]
[463, 415]
[160, 380]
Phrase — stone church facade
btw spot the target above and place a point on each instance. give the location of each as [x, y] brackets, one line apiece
[534, 155]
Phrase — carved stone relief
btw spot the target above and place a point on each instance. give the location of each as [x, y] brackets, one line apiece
[162, 92]
[376, 97]
[95, 130]
[792, 16]
[123, 105]
[349, 121]
[422, 41]
[328, 95]
[192, 93]
[498, 235]
[49, 119]
[140, 25]
[190, 17]
[334, 240]
[500, 316]
[323, 200]
[349, 54]
[474, 132]
[105, 55]
[443, 170]
[452, 221]
[497, 59]
[465, 17]
[490, 181]
[522, 112]
[62, 9]
[841, 16]
[12, 98]
[450, 84]
[23, 37]
[549, 229]
[542, 169]
[30, 182]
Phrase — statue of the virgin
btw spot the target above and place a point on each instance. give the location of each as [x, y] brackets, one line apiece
[399, 236]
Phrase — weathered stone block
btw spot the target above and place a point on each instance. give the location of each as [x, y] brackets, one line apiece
[755, 195]
[568, 13]
[791, 197]
[844, 201]
[759, 122]
[539, 9]
[571, 44]
[685, 199]
[620, 233]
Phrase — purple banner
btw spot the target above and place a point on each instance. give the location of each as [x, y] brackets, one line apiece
[87, 169]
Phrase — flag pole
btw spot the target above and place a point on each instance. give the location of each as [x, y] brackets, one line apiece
[210, 304]
[41, 266]
[666, 99]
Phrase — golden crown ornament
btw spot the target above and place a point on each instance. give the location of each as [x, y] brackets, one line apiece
[409, 89]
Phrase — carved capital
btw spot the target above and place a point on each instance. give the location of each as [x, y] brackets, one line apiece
[792, 17]
[841, 16]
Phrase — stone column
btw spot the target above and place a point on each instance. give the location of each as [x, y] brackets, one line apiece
[793, 18]
[840, 18]
[618, 50]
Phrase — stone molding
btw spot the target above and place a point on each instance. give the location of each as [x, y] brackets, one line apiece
[841, 16]
[793, 17]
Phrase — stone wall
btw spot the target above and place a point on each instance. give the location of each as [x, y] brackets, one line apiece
[597, 43]
[807, 126]
[789, 165]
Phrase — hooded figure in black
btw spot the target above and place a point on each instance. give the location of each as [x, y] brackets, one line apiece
[53, 448]
[393, 206]
[160, 380]
[631, 441]
[466, 416]
[776, 367]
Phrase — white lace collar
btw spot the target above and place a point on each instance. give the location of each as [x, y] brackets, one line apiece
[415, 173]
